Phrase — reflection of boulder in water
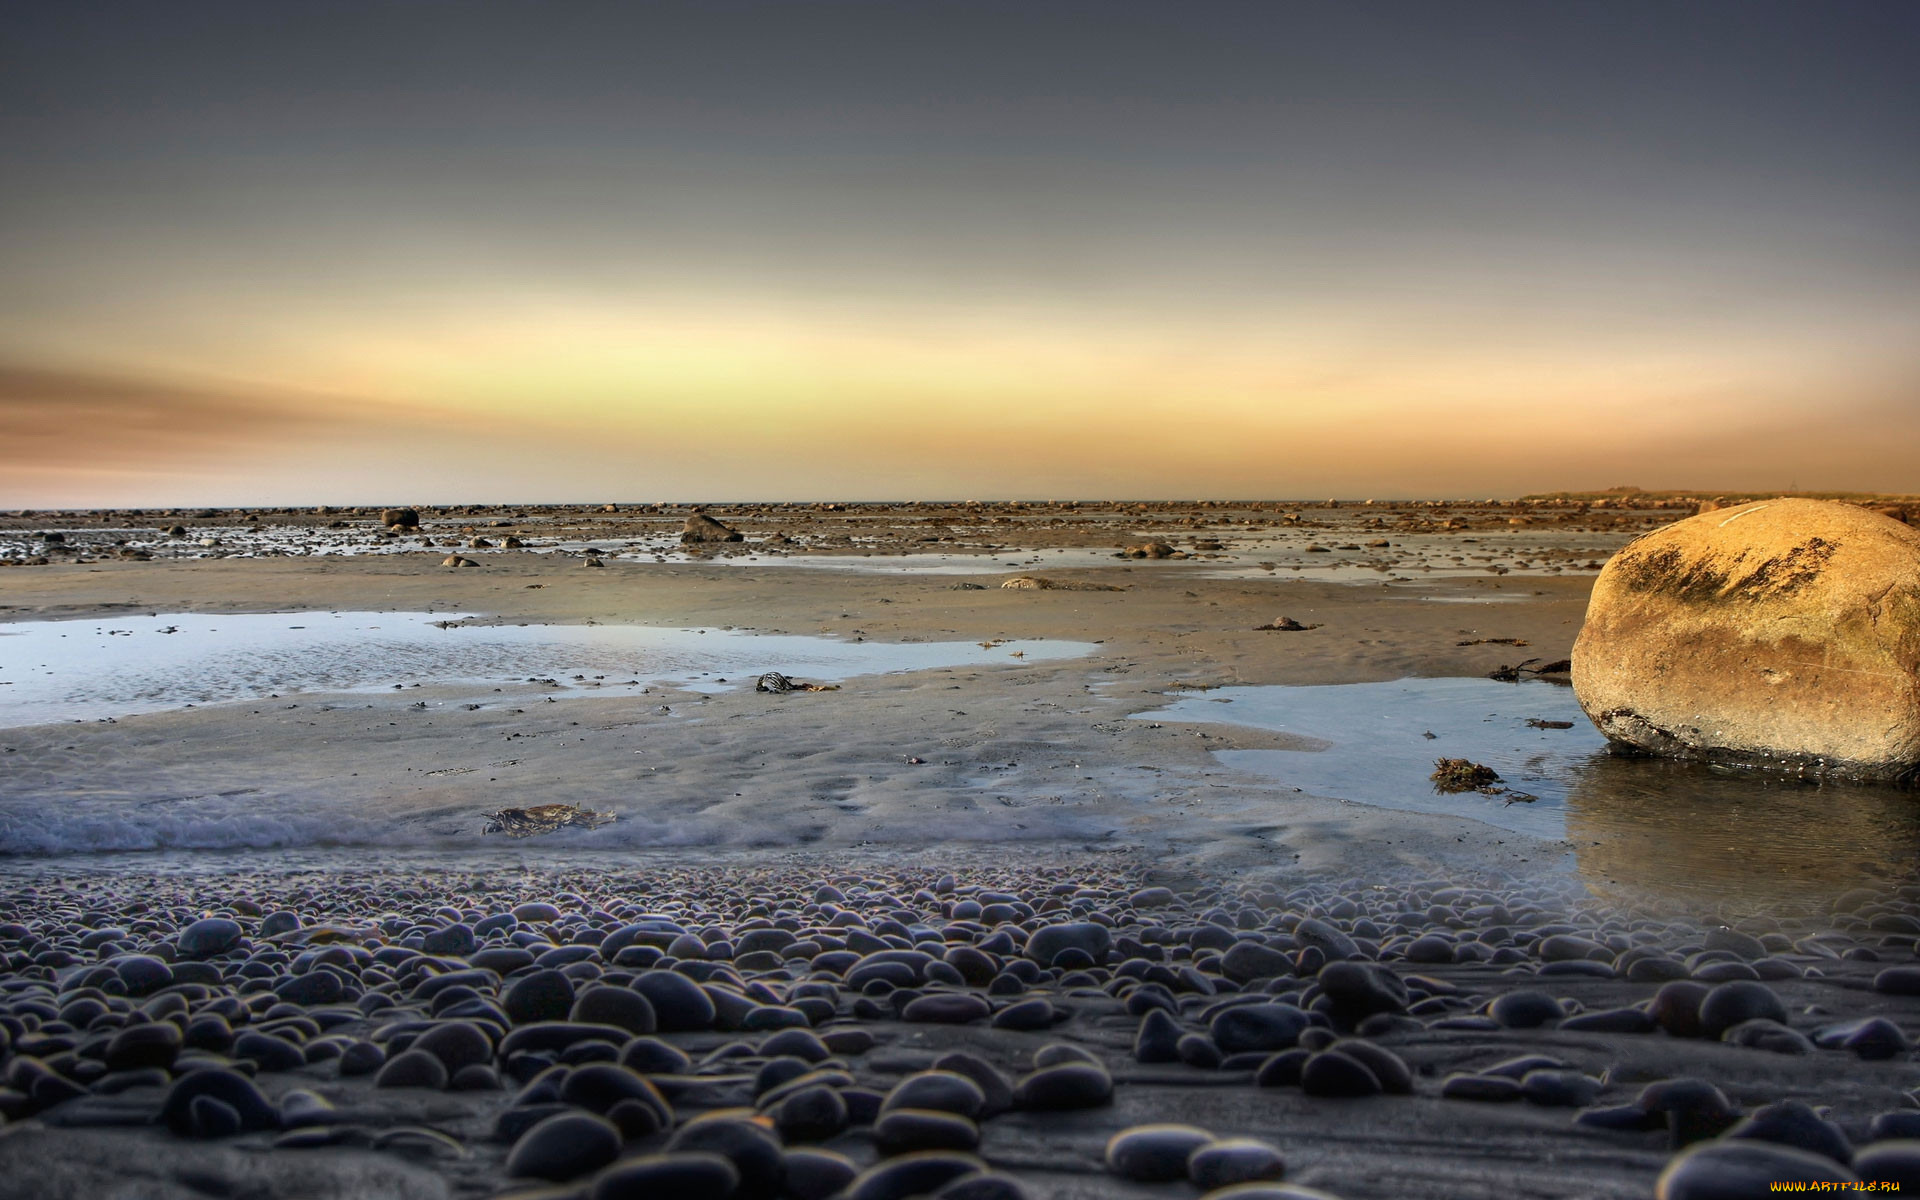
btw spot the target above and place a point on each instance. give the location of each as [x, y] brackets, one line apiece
[1645, 825]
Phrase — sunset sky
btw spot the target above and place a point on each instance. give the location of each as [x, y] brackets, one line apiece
[257, 253]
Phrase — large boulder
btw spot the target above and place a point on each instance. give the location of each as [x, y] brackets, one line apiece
[702, 528]
[1781, 634]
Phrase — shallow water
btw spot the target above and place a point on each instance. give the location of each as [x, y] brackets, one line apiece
[99, 669]
[1634, 825]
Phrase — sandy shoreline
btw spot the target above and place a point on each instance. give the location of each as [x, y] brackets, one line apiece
[1006, 773]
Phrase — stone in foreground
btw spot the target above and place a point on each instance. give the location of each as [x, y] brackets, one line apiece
[1782, 634]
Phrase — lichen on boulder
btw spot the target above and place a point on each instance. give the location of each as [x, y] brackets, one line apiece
[1781, 634]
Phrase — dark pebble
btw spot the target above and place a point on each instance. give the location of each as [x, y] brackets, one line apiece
[1896, 1162]
[230, 1088]
[1264, 1027]
[606, 1005]
[906, 1129]
[412, 1069]
[1332, 1073]
[1067, 1086]
[911, 1175]
[1526, 1010]
[208, 937]
[564, 1146]
[691, 1175]
[679, 1004]
[1740, 1170]
[1729, 1004]
[1794, 1123]
[814, 1174]
[1234, 1160]
[753, 1150]
[1154, 1153]
[542, 996]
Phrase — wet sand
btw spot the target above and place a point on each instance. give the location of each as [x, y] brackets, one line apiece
[1012, 774]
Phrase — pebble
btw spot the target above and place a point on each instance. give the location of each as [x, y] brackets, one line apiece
[545, 995]
[606, 1005]
[679, 1004]
[208, 937]
[815, 1174]
[1261, 1027]
[1154, 1153]
[1067, 1086]
[1794, 1123]
[753, 1150]
[1729, 1004]
[1526, 1009]
[412, 1069]
[944, 1091]
[690, 1175]
[253, 1110]
[1896, 1162]
[905, 1129]
[1049, 941]
[911, 1175]
[564, 1146]
[1741, 1170]
[1333, 1073]
[1234, 1160]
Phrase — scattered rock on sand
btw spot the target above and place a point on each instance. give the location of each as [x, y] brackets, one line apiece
[542, 818]
[702, 528]
[399, 518]
[1781, 634]
[456, 560]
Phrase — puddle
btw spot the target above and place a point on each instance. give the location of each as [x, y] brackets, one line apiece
[99, 669]
[1635, 825]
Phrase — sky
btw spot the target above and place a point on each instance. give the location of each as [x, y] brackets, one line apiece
[351, 252]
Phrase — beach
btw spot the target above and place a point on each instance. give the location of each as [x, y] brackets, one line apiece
[1202, 729]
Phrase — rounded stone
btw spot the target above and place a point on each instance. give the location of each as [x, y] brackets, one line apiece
[1741, 1000]
[1783, 633]
[315, 988]
[942, 1091]
[545, 995]
[811, 1114]
[149, 1044]
[1066, 1086]
[1089, 937]
[1333, 1073]
[753, 1150]
[456, 1044]
[1721, 1170]
[911, 1175]
[1154, 1153]
[947, 1008]
[1234, 1160]
[207, 937]
[598, 1087]
[412, 1069]
[1526, 1010]
[604, 1004]
[456, 940]
[1895, 1161]
[231, 1088]
[564, 1146]
[362, 1058]
[813, 1174]
[1257, 1027]
[679, 1004]
[688, 1175]
[902, 1130]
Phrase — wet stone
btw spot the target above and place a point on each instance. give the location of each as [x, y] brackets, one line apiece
[1737, 1170]
[1332, 1073]
[564, 1146]
[908, 1129]
[412, 1069]
[692, 1175]
[1234, 1160]
[1067, 1086]
[545, 995]
[1794, 1123]
[1729, 1004]
[208, 937]
[1154, 1153]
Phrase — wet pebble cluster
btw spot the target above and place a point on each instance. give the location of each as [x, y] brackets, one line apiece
[779, 1032]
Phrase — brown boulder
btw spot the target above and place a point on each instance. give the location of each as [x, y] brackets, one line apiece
[702, 528]
[399, 518]
[1781, 633]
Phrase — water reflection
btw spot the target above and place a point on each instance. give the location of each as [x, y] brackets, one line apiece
[1639, 827]
[1706, 833]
